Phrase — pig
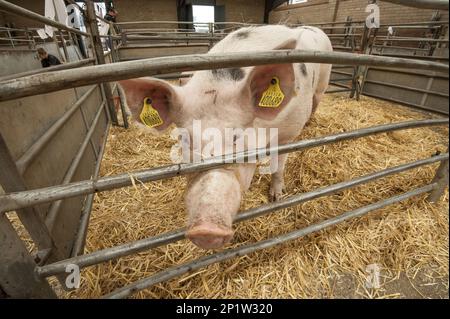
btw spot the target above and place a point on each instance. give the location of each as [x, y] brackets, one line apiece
[229, 98]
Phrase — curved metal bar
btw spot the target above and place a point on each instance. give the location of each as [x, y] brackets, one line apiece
[54, 81]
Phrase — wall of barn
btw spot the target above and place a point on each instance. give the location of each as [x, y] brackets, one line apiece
[166, 10]
[251, 11]
[35, 6]
[338, 10]
[144, 10]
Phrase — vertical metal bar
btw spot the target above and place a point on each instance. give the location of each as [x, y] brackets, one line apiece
[31, 218]
[63, 41]
[10, 38]
[17, 277]
[55, 207]
[86, 125]
[80, 239]
[98, 51]
[441, 178]
[122, 108]
[428, 88]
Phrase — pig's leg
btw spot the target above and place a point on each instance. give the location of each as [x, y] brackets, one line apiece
[316, 101]
[277, 180]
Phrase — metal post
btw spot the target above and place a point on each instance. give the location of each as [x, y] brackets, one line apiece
[63, 41]
[11, 181]
[17, 277]
[98, 51]
[441, 178]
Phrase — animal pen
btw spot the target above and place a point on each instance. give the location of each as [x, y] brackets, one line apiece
[50, 166]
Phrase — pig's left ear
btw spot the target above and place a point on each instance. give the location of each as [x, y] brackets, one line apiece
[269, 88]
[152, 102]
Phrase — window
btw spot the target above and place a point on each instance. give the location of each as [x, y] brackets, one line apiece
[297, 1]
[202, 14]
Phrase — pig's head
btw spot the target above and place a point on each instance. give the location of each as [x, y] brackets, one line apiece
[225, 98]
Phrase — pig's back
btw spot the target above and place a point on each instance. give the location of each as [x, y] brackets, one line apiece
[269, 37]
[255, 39]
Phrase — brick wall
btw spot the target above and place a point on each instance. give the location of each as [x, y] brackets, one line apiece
[35, 6]
[243, 10]
[328, 10]
[145, 10]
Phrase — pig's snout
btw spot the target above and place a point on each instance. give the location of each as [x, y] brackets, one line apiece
[212, 201]
[209, 236]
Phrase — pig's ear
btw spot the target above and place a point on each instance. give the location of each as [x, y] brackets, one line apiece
[164, 99]
[269, 89]
[288, 45]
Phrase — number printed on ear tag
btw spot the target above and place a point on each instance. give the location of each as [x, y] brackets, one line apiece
[149, 116]
[273, 96]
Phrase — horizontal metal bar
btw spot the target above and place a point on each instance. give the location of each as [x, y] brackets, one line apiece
[427, 23]
[170, 237]
[39, 84]
[338, 91]
[202, 262]
[409, 39]
[417, 106]
[13, 201]
[401, 48]
[409, 88]
[343, 35]
[15, 39]
[165, 37]
[54, 208]
[341, 79]
[423, 4]
[22, 12]
[80, 238]
[186, 22]
[416, 57]
[404, 71]
[349, 23]
[24, 161]
[64, 66]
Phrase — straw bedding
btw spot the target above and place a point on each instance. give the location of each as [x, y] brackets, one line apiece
[405, 239]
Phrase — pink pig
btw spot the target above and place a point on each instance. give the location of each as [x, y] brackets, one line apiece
[230, 98]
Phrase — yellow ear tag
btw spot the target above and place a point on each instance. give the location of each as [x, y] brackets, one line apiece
[149, 116]
[273, 96]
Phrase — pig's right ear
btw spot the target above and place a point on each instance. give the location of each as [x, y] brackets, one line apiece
[163, 97]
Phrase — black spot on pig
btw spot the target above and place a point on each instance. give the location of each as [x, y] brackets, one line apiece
[303, 69]
[242, 35]
[234, 74]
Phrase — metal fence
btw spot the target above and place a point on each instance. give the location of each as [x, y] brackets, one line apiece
[29, 280]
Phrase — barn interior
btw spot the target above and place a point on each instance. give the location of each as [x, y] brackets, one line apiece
[64, 129]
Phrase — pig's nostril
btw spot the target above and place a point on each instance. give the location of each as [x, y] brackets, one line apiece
[209, 236]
